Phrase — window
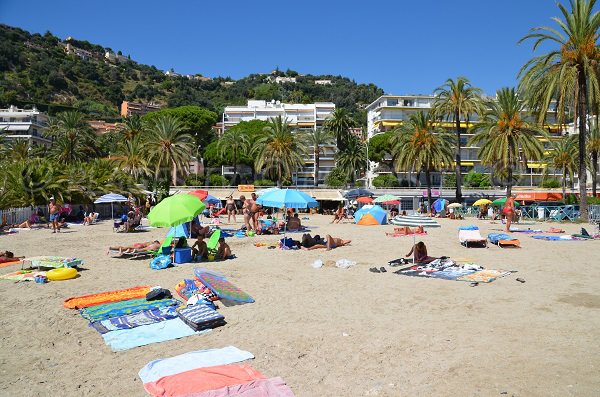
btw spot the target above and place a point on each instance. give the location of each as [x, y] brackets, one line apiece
[408, 102]
[392, 102]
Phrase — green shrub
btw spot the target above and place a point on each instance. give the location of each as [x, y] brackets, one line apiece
[264, 182]
[218, 180]
[550, 183]
[476, 179]
[194, 180]
[337, 178]
[593, 200]
[450, 180]
[386, 180]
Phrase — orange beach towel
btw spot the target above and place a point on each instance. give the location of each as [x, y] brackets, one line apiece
[80, 302]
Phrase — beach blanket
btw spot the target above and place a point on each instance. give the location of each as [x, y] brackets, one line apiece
[125, 339]
[272, 387]
[80, 302]
[525, 230]
[11, 263]
[116, 309]
[556, 238]
[162, 367]
[451, 273]
[135, 319]
[403, 234]
[202, 379]
[484, 276]
[52, 262]
[22, 275]
[503, 240]
[201, 317]
[221, 287]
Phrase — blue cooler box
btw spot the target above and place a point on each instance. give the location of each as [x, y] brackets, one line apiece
[183, 255]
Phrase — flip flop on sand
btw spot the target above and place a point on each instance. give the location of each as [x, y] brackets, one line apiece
[382, 269]
[374, 270]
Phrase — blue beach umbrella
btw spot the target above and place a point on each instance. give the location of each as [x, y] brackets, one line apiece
[439, 204]
[287, 198]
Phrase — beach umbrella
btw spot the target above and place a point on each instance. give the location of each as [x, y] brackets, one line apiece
[210, 199]
[355, 193]
[370, 215]
[287, 198]
[111, 198]
[414, 220]
[201, 194]
[391, 202]
[385, 198]
[364, 200]
[482, 202]
[175, 210]
[265, 191]
[502, 201]
[179, 231]
[439, 204]
[455, 205]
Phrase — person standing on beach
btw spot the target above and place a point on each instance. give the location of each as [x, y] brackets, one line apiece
[255, 209]
[231, 209]
[54, 211]
[509, 210]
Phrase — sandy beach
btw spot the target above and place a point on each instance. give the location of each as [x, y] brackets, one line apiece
[328, 331]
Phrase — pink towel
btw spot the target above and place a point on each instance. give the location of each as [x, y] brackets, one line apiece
[273, 387]
[201, 380]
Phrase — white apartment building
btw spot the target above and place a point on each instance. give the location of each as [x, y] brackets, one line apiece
[26, 124]
[301, 117]
[390, 111]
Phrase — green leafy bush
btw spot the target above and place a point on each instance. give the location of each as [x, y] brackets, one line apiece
[337, 178]
[386, 180]
[550, 183]
[218, 180]
[194, 180]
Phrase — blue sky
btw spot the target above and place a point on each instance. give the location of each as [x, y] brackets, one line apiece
[404, 47]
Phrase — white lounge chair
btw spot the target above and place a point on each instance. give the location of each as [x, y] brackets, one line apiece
[471, 238]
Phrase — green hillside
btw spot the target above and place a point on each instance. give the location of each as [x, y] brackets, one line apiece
[36, 68]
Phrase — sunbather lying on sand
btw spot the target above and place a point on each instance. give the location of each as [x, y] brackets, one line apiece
[8, 256]
[137, 248]
[330, 243]
[407, 231]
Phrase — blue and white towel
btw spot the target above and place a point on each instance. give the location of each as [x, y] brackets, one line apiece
[135, 319]
[201, 317]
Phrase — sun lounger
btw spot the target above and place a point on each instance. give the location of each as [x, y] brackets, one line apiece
[471, 238]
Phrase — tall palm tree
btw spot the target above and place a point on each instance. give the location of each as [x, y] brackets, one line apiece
[563, 156]
[75, 133]
[593, 147]
[505, 138]
[168, 146]
[456, 100]
[235, 140]
[419, 146]
[133, 127]
[339, 125]
[353, 158]
[317, 139]
[279, 150]
[15, 150]
[568, 73]
[132, 157]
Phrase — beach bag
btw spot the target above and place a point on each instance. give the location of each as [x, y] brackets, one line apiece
[160, 262]
[158, 293]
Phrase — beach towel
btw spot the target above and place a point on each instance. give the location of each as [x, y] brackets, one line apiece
[484, 276]
[525, 230]
[162, 367]
[201, 380]
[22, 275]
[221, 287]
[469, 227]
[556, 238]
[80, 302]
[116, 309]
[272, 387]
[201, 317]
[52, 262]
[135, 319]
[125, 339]
[504, 240]
[11, 263]
[451, 273]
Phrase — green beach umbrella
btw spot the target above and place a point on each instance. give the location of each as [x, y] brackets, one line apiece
[175, 210]
[502, 200]
[386, 197]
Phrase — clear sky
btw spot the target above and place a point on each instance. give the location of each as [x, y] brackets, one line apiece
[405, 47]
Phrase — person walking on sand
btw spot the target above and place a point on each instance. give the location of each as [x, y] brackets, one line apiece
[54, 211]
[509, 210]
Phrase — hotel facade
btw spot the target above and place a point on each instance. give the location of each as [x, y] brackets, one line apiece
[302, 118]
[391, 111]
[24, 124]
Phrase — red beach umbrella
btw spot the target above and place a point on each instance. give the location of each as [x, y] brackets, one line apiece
[201, 194]
[364, 200]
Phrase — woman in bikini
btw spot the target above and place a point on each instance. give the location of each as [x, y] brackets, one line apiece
[330, 243]
[509, 210]
[246, 211]
[231, 209]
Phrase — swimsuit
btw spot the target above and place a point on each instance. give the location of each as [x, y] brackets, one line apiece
[54, 217]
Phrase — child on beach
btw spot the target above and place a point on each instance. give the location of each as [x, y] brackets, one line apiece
[199, 249]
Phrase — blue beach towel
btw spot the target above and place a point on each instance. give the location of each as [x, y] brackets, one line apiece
[495, 237]
[470, 227]
[116, 309]
[125, 339]
[554, 238]
[135, 319]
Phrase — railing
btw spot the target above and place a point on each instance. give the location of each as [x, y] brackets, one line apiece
[14, 216]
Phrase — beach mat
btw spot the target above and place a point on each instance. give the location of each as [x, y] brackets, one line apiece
[125, 339]
[133, 320]
[80, 302]
[195, 381]
[219, 285]
[54, 262]
[162, 367]
[116, 309]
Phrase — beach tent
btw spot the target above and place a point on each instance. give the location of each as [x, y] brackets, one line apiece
[111, 198]
[370, 215]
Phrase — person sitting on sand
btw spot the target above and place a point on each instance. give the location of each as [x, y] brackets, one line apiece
[90, 218]
[419, 250]
[200, 249]
[136, 248]
[294, 223]
[339, 214]
[330, 243]
[224, 251]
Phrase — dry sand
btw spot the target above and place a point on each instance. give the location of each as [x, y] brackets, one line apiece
[328, 331]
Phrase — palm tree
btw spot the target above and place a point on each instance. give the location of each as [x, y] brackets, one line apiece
[317, 139]
[74, 136]
[15, 150]
[167, 146]
[339, 125]
[457, 100]
[421, 147]
[563, 156]
[505, 138]
[132, 157]
[133, 127]
[593, 147]
[567, 73]
[234, 140]
[353, 158]
[280, 151]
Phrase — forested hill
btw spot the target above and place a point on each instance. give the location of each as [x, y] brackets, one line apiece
[36, 69]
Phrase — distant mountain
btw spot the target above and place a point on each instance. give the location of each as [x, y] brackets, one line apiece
[45, 70]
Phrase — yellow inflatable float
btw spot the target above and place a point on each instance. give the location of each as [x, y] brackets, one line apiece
[63, 273]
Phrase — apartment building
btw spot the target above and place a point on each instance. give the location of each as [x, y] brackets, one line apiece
[129, 108]
[25, 124]
[101, 127]
[390, 111]
[301, 117]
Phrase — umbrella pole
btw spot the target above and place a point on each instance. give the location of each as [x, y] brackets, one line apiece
[112, 215]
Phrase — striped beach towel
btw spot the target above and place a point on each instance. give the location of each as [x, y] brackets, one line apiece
[116, 309]
[135, 319]
[201, 317]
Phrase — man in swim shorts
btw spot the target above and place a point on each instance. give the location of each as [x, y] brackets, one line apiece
[54, 211]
